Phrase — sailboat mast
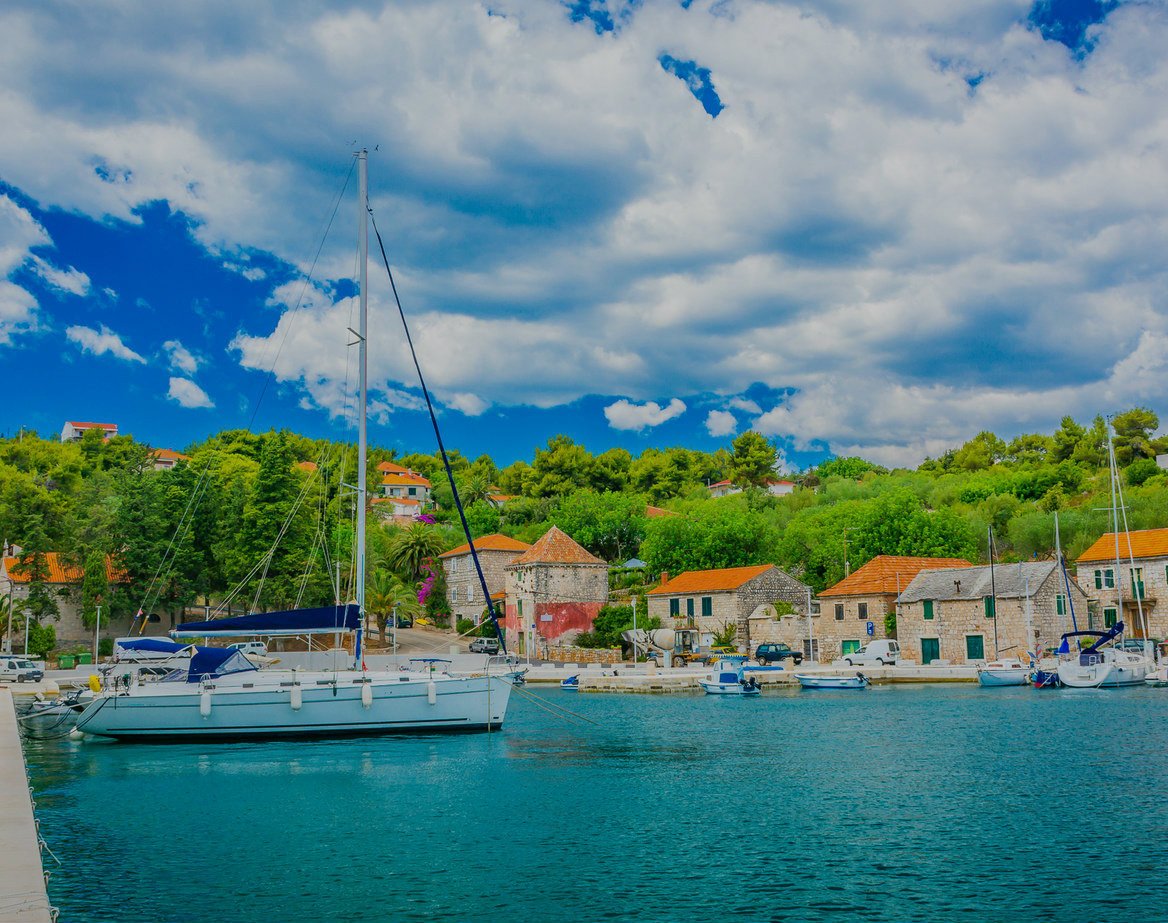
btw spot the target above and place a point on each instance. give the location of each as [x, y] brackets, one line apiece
[993, 587]
[363, 364]
[1114, 473]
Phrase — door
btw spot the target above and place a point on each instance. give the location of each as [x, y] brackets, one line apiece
[930, 650]
[974, 647]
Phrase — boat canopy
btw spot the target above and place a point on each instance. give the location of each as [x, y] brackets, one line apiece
[319, 621]
[158, 645]
[210, 662]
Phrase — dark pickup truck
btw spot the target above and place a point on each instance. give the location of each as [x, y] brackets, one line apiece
[777, 653]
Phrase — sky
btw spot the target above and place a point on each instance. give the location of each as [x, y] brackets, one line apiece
[859, 229]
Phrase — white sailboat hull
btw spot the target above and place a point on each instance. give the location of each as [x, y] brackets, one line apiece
[329, 705]
[1003, 673]
[1116, 668]
[831, 682]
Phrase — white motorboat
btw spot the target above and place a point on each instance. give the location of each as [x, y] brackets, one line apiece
[1003, 673]
[809, 681]
[729, 678]
[221, 694]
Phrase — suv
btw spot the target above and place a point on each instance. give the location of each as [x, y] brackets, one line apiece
[484, 646]
[19, 669]
[777, 653]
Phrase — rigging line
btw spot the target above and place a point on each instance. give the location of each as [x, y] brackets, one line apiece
[299, 299]
[438, 435]
[287, 524]
[554, 710]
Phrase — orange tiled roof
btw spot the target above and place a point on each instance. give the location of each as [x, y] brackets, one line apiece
[388, 467]
[771, 481]
[501, 498]
[169, 455]
[393, 479]
[77, 425]
[1145, 543]
[305, 465]
[493, 542]
[556, 547]
[654, 511]
[710, 581]
[882, 573]
[722, 484]
[59, 571]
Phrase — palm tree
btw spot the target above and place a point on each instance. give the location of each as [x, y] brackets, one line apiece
[386, 592]
[409, 549]
[474, 488]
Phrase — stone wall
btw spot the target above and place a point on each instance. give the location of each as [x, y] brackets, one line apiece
[955, 620]
[71, 631]
[566, 654]
[548, 603]
[464, 592]
[1154, 603]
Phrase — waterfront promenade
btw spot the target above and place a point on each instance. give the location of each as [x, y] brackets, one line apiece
[23, 898]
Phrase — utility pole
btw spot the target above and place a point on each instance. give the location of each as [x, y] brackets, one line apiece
[634, 631]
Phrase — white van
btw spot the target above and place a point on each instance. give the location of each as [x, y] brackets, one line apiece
[249, 648]
[874, 652]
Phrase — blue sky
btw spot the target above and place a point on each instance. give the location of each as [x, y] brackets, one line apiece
[857, 229]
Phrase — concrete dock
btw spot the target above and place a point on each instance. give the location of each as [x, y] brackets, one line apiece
[646, 679]
[23, 898]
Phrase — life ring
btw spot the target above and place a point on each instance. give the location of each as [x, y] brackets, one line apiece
[94, 682]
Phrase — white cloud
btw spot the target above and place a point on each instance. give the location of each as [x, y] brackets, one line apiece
[71, 281]
[19, 232]
[186, 393]
[100, 342]
[625, 414]
[180, 358]
[470, 404]
[916, 257]
[721, 423]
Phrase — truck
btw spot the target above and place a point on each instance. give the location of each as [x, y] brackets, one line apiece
[682, 644]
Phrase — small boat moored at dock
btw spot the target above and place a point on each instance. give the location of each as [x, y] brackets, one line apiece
[808, 681]
[729, 678]
[572, 683]
[1003, 673]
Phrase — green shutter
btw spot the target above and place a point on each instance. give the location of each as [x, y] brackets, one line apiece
[930, 650]
[928, 604]
[1099, 580]
[689, 607]
[675, 607]
[1060, 604]
[990, 608]
[974, 647]
[707, 605]
[1109, 618]
[849, 647]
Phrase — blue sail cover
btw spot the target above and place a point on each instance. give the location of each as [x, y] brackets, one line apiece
[152, 644]
[321, 620]
[209, 662]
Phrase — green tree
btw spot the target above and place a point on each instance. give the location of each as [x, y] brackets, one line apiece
[608, 524]
[560, 468]
[982, 451]
[851, 467]
[712, 536]
[410, 548]
[1133, 435]
[753, 459]
[94, 588]
[386, 592]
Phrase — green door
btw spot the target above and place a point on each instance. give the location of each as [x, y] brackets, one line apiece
[930, 650]
[974, 647]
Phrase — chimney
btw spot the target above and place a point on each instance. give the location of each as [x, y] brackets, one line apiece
[664, 576]
[957, 584]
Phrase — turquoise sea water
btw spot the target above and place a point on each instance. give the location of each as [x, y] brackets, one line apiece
[899, 803]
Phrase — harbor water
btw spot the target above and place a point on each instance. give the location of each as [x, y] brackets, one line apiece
[897, 803]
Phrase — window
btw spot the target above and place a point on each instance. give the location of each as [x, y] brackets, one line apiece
[1099, 580]
[1109, 578]
[990, 605]
[928, 607]
[839, 612]
[974, 647]
[675, 607]
[520, 610]
[1060, 604]
[1137, 575]
[707, 605]
[470, 592]
[930, 650]
[811, 649]
[863, 612]
[849, 647]
[413, 491]
[689, 607]
[1109, 617]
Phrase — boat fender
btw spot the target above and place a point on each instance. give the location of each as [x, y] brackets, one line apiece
[94, 682]
[205, 703]
[431, 692]
[297, 697]
[366, 695]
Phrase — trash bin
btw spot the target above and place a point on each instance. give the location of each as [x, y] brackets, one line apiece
[87, 657]
[66, 662]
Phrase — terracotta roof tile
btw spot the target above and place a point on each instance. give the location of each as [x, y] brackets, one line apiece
[710, 581]
[556, 547]
[408, 480]
[494, 542]
[388, 467]
[107, 426]
[652, 512]
[1145, 543]
[169, 455]
[59, 571]
[305, 465]
[882, 573]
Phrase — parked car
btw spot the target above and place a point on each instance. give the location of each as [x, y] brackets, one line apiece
[777, 653]
[484, 646]
[248, 648]
[20, 670]
[403, 621]
[880, 652]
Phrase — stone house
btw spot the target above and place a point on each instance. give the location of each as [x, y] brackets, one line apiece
[709, 600]
[64, 581]
[952, 615]
[165, 459]
[554, 591]
[464, 591]
[861, 599]
[1143, 573]
[399, 482]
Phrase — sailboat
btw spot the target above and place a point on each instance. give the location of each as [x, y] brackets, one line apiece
[1102, 664]
[999, 671]
[221, 694]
